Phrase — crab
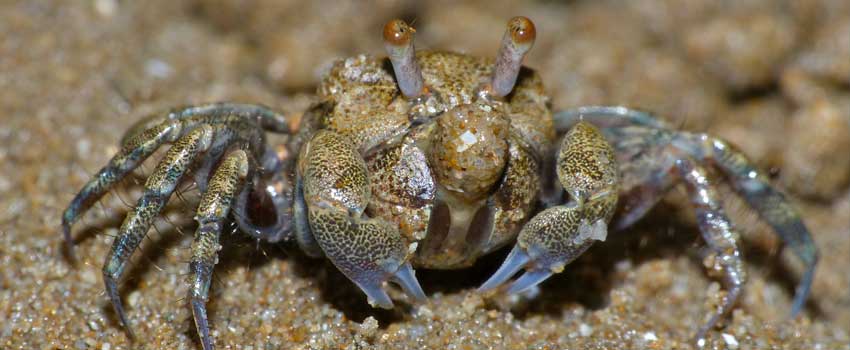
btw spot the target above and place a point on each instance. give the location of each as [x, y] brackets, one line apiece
[431, 160]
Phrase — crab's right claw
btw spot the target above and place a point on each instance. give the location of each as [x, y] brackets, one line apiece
[335, 190]
[368, 251]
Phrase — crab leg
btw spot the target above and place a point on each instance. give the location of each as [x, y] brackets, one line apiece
[605, 117]
[144, 138]
[716, 228]
[134, 152]
[718, 232]
[158, 188]
[751, 184]
[675, 166]
[225, 136]
[556, 236]
[271, 182]
[214, 113]
[212, 212]
[335, 188]
[771, 205]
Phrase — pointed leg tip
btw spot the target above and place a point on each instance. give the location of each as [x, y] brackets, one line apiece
[115, 299]
[130, 334]
[199, 311]
[207, 344]
[799, 302]
[484, 288]
[70, 254]
[801, 294]
[69, 243]
[797, 306]
[699, 341]
[125, 323]
[492, 283]
[419, 296]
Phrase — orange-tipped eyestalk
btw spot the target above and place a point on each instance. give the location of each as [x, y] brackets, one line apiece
[518, 39]
[398, 41]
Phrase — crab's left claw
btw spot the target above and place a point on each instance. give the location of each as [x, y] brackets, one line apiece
[546, 244]
[588, 172]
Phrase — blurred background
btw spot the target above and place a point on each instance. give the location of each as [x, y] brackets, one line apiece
[770, 76]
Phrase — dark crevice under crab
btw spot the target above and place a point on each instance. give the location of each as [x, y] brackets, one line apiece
[432, 159]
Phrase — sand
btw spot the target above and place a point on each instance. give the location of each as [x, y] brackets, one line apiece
[770, 76]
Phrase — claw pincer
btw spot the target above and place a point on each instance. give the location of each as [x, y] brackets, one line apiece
[369, 251]
[588, 172]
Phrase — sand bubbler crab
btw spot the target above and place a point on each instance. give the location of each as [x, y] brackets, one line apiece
[432, 159]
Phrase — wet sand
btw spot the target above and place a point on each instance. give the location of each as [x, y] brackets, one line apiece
[769, 76]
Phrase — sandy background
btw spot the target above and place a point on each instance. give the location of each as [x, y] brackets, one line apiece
[773, 77]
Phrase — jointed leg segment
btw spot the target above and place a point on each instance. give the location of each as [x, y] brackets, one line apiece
[212, 214]
[134, 152]
[773, 208]
[224, 140]
[151, 133]
[679, 157]
[158, 189]
[718, 232]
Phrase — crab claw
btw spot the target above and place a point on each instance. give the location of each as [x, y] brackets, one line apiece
[405, 277]
[556, 236]
[550, 241]
[368, 251]
[334, 187]
[515, 261]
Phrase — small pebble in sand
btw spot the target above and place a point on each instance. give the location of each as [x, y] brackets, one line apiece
[77, 73]
[730, 340]
[369, 326]
[585, 330]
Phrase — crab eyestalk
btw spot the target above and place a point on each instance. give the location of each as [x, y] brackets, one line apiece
[518, 40]
[398, 41]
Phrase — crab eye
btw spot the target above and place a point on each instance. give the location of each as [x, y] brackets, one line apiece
[397, 33]
[518, 40]
[398, 41]
[522, 32]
